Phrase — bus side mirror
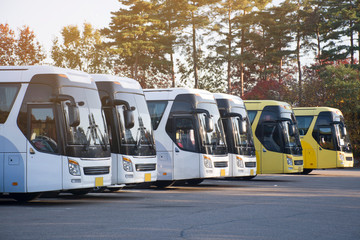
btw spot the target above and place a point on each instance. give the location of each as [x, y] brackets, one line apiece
[291, 130]
[129, 118]
[209, 124]
[74, 116]
[242, 126]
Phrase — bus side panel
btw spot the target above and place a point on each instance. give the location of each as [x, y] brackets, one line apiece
[2, 172]
[326, 158]
[14, 172]
[164, 166]
[310, 158]
[44, 171]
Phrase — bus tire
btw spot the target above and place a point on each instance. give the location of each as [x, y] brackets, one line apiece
[194, 182]
[80, 192]
[306, 171]
[24, 197]
[163, 184]
[248, 177]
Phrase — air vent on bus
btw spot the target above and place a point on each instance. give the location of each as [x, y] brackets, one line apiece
[96, 170]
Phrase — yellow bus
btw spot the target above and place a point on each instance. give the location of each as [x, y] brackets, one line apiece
[276, 136]
[324, 138]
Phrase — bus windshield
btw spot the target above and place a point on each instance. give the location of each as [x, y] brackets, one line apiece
[277, 131]
[138, 140]
[91, 130]
[342, 136]
[242, 139]
[213, 142]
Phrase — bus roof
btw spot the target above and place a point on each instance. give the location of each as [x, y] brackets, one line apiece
[171, 93]
[124, 83]
[235, 99]
[24, 74]
[260, 104]
[313, 111]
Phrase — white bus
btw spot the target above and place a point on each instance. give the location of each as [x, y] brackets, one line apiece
[239, 136]
[189, 135]
[52, 132]
[130, 132]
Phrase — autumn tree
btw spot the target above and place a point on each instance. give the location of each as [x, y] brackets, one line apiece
[21, 50]
[81, 50]
[7, 45]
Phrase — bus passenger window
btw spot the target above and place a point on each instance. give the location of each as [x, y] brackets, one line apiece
[271, 137]
[185, 134]
[326, 138]
[43, 130]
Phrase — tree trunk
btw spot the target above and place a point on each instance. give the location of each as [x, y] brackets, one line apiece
[194, 51]
[298, 56]
[229, 52]
[351, 44]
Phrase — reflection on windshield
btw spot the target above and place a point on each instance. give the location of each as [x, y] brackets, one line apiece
[91, 130]
[213, 142]
[342, 137]
[243, 140]
[291, 141]
[138, 140]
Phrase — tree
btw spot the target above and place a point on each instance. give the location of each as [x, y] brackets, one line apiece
[7, 45]
[24, 50]
[28, 50]
[81, 50]
[136, 42]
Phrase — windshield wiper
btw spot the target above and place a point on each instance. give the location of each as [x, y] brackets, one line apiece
[93, 132]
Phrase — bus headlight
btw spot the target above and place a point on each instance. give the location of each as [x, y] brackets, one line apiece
[289, 160]
[207, 162]
[127, 164]
[74, 167]
[239, 162]
[341, 156]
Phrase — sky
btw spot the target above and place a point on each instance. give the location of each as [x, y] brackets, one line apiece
[47, 17]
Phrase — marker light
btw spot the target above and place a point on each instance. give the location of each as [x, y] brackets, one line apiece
[239, 162]
[289, 160]
[207, 162]
[74, 167]
[127, 164]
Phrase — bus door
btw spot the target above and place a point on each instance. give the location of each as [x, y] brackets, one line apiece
[44, 163]
[271, 152]
[185, 148]
[326, 153]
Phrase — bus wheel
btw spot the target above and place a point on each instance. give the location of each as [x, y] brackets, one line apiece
[80, 192]
[163, 184]
[114, 189]
[194, 182]
[248, 177]
[306, 171]
[24, 197]
[98, 189]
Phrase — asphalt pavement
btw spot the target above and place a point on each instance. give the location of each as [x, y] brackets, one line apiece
[322, 205]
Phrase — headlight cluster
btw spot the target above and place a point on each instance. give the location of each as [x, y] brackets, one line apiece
[342, 157]
[289, 160]
[74, 167]
[127, 164]
[207, 162]
[239, 162]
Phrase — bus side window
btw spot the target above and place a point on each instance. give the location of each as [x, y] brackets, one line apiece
[326, 138]
[43, 134]
[185, 134]
[271, 137]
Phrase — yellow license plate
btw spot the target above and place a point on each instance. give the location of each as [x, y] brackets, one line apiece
[252, 172]
[222, 172]
[147, 177]
[99, 181]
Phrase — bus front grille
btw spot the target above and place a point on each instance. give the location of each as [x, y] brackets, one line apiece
[220, 164]
[96, 170]
[250, 164]
[298, 162]
[349, 158]
[145, 167]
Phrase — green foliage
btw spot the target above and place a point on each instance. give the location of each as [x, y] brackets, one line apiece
[81, 50]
